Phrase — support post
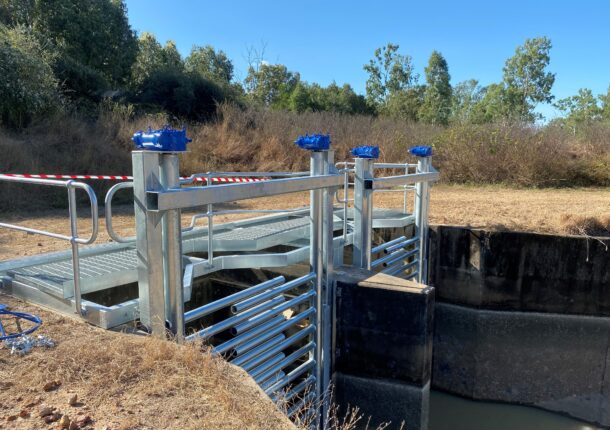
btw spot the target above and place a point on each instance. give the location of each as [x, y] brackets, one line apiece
[316, 258]
[172, 250]
[149, 240]
[422, 199]
[363, 213]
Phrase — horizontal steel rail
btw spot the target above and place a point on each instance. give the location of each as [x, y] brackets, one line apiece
[258, 350]
[264, 316]
[394, 181]
[303, 368]
[229, 300]
[70, 185]
[385, 245]
[199, 196]
[287, 361]
[397, 246]
[389, 257]
[270, 328]
[248, 362]
[251, 301]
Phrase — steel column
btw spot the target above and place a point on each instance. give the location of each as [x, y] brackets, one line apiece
[149, 240]
[172, 250]
[363, 213]
[422, 197]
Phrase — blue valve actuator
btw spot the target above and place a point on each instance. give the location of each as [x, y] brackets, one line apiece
[165, 139]
[366, 152]
[421, 151]
[315, 142]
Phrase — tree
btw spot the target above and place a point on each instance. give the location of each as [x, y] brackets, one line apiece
[465, 96]
[271, 85]
[526, 80]
[152, 58]
[28, 88]
[605, 104]
[581, 108]
[94, 33]
[405, 104]
[436, 106]
[492, 107]
[210, 64]
[389, 73]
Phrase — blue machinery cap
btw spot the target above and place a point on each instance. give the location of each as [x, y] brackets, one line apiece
[366, 152]
[315, 142]
[421, 151]
[165, 139]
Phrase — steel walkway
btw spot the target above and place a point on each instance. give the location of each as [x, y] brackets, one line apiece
[112, 265]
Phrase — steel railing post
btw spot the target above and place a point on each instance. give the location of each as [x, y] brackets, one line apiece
[78, 309]
[422, 198]
[172, 250]
[316, 258]
[363, 213]
[149, 242]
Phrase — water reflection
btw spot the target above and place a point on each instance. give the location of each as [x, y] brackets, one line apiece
[449, 412]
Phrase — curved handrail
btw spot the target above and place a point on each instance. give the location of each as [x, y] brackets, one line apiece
[108, 212]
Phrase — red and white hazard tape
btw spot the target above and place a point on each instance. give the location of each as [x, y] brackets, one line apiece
[125, 178]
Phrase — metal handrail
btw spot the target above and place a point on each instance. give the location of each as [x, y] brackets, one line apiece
[108, 213]
[74, 240]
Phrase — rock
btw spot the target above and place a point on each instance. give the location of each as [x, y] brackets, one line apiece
[73, 400]
[64, 423]
[11, 418]
[51, 418]
[31, 402]
[45, 410]
[51, 385]
[83, 420]
[73, 426]
[24, 413]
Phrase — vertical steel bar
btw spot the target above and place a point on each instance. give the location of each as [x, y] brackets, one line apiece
[405, 193]
[326, 357]
[149, 239]
[210, 215]
[75, 254]
[172, 244]
[316, 261]
[363, 214]
[345, 202]
[423, 244]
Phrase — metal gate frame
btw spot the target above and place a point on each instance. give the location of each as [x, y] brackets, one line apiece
[256, 318]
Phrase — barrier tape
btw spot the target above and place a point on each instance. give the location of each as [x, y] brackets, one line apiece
[124, 178]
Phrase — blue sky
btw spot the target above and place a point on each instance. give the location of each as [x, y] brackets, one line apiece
[331, 40]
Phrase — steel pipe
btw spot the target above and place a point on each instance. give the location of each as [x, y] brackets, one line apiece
[256, 360]
[258, 350]
[286, 361]
[401, 257]
[254, 372]
[233, 298]
[230, 322]
[251, 301]
[388, 257]
[291, 376]
[400, 245]
[238, 329]
[275, 326]
[385, 245]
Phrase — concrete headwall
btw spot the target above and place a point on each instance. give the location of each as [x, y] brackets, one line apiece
[383, 351]
[523, 318]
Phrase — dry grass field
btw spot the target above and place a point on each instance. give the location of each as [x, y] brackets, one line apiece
[558, 211]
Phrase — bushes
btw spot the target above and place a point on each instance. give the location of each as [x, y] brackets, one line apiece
[28, 88]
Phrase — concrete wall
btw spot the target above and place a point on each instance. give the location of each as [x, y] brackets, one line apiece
[383, 348]
[523, 318]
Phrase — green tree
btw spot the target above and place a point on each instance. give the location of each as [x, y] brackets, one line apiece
[28, 88]
[389, 73]
[581, 108]
[405, 104]
[436, 106]
[526, 80]
[492, 107]
[465, 96]
[605, 105]
[210, 64]
[271, 84]
[94, 33]
[152, 58]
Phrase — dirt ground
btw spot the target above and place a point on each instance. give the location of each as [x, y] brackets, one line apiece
[125, 382]
[558, 211]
